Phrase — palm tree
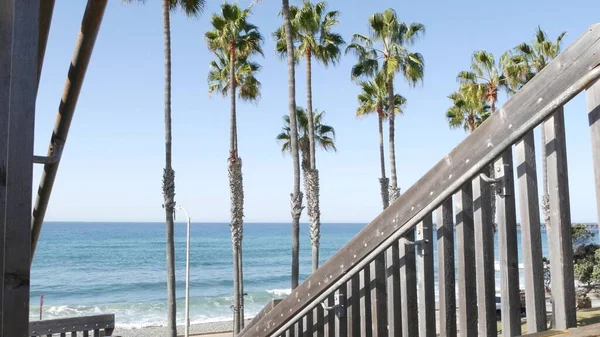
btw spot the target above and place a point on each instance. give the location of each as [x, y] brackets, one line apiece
[312, 26]
[388, 42]
[296, 202]
[484, 79]
[191, 8]
[233, 40]
[324, 136]
[373, 98]
[524, 62]
[467, 111]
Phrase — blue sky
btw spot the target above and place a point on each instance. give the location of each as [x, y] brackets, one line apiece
[112, 164]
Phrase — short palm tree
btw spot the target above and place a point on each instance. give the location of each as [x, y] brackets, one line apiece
[388, 42]
[524, 62]
[191, 8]
[234, 40]
[296, 196]
[485, 79]
[373, 98]
[467, 111]
[313, 37]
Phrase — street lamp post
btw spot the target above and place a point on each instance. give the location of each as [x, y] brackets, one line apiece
[187, 274]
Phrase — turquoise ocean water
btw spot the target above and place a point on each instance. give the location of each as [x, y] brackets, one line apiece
[92, 268]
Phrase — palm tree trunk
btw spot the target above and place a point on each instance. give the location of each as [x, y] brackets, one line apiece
[169, 181]
[312, 192]
[236, 195]
[383, 181]
[296, 200]
[241, 286]
[394, 183]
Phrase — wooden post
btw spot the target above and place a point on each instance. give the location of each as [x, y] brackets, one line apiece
[19, 31]
[467, 282]
[426, 286]
[393, 290]
[408, 285]
[535, 294]
[484, 257]
[378, 296]
[507, 242]
[446, 274]
[560, 243]
[353, 309]
[593, 105]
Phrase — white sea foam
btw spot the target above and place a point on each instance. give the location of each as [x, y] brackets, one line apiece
[279, 292]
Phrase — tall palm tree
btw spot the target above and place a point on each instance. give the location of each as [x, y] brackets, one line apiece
[485, 79]
[233, 40]
[388, 42]
[521, 64]
[373, 98]
[467, 111]
[312, 34]
[296, 202]
[324, 136]
[191, 8]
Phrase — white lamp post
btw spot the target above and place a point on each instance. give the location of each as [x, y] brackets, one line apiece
[187, 274]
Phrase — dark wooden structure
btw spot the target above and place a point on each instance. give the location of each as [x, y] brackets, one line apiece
[98, 325]
[459, 194]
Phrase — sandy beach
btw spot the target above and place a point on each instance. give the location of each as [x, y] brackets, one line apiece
[209, 329]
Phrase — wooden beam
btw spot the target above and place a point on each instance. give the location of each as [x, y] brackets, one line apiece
[22, 20]
[393, 290]
[507, 246]
[465, 242]
[446, 272]
[531, 238]
[378, 296]
[593, 105]
[556, 84]
[353, 308]
[484, 257]
[408, 285]
[560, 243]
[425, 278]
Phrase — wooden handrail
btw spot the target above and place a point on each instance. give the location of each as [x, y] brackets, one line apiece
[73, 324]
[567, 75]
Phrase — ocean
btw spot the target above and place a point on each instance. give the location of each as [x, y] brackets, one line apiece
[86, 268]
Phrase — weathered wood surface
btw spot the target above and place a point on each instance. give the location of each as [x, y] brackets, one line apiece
[73, 324]
[353, 306]
[365, 302]
[46, 10]
[393, 290]
[484, 257]
[330, 317]
[341, 323]
[593, 105]
[425, 277]
[446, 272]
[319, 321]
[552, 87]
[267, 308]
[507, 246]
[560, 243]
[378, 296]
[465, 242]
[21, 18]
[531, 238]
[408, 285]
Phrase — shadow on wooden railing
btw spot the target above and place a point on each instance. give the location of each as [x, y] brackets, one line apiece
[382, 282]
[100, 325]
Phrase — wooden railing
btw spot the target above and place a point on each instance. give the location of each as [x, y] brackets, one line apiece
[382, 282]
[100, 326]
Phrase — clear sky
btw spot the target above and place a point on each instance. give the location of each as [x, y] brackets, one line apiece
[112, 164]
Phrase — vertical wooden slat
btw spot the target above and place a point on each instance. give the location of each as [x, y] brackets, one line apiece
[510, 307]
[446, 272]
[86, 334]
[341, 324]
[393, 290]
[319, 321]
[19, 84]
[378, 296]
[467, 282]
[484, 258]
[353, 306]
[426, 286]
[593, 105]
[308, 323]
[408, 285]
[64, 334]
[73, 334]
[560, 245]
[97, 333]
[299, 327]
[330, 329]
[531, 239]
[365, 303]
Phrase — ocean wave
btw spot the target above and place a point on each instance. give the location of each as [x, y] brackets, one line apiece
[279, 292]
